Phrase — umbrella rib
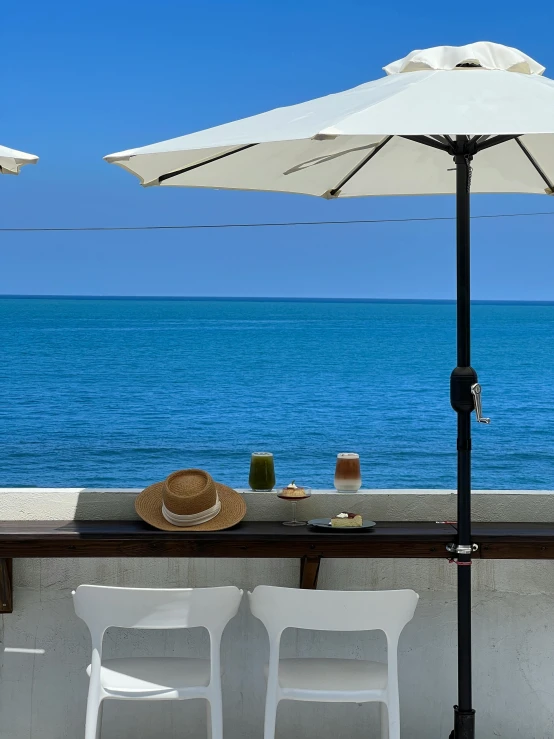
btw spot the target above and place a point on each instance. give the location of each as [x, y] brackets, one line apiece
[216, 158]
[495, 141]
[428, 141]
[535, 164]
[336, 190]
[442, 139]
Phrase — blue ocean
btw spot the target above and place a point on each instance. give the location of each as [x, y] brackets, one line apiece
[120, 392]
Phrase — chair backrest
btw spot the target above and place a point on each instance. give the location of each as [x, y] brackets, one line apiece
[101, 606]
[333, 610]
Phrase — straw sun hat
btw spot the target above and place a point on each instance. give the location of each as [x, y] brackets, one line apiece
[190, 500]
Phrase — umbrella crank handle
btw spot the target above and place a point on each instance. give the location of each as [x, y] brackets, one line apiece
[476, 392]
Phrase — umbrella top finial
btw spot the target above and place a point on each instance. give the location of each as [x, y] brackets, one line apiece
[480, 55]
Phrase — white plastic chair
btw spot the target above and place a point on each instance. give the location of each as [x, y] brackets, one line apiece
[151, 678]
[333, 680]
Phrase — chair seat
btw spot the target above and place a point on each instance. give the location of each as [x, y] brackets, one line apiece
[153, 675]
[335, 675]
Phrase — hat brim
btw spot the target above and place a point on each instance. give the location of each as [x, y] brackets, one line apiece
[148, 505]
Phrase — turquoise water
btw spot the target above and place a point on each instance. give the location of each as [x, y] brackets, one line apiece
[122, 392]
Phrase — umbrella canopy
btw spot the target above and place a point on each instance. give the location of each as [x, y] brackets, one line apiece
[12, 160]
[353, 143]
[482, 102]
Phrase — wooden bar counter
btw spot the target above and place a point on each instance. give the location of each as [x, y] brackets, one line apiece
[259, 539]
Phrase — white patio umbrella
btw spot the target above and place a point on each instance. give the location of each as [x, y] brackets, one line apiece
[12, 160]
[443, 120]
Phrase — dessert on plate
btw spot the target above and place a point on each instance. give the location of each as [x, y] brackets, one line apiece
[346, 521]
[293, 491]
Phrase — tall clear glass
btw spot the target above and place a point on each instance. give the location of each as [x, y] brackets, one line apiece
[262, 472]
[348, 476]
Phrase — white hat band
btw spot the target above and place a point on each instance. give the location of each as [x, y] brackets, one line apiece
[193, 519]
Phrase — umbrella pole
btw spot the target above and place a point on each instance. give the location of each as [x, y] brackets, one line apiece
[463, 382]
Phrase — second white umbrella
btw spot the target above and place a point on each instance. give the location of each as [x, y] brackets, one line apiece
[12, 160]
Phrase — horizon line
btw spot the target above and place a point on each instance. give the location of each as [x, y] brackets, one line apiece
[268, 298]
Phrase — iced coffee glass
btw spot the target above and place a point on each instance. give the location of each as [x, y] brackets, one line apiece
[348, 477]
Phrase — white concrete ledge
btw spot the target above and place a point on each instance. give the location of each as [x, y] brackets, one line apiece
[383, 505]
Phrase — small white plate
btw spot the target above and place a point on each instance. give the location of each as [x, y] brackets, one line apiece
[325, 523]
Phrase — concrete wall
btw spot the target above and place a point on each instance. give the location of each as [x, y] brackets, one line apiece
[46, 648]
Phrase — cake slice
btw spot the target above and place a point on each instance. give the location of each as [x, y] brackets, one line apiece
[347, 521]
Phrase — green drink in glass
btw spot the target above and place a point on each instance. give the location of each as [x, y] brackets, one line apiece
[262, 472]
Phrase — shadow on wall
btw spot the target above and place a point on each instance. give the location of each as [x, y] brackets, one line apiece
[102, 505]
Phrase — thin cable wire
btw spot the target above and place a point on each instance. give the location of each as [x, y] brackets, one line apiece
[276, 224]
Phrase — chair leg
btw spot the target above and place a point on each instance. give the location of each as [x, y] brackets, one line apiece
[271, 704]
[384, 720]
[209, 719]
[93, 721]
[393, 709]
[100, 714]
[215, 717]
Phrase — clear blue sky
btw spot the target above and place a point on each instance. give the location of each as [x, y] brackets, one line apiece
[81, 80]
